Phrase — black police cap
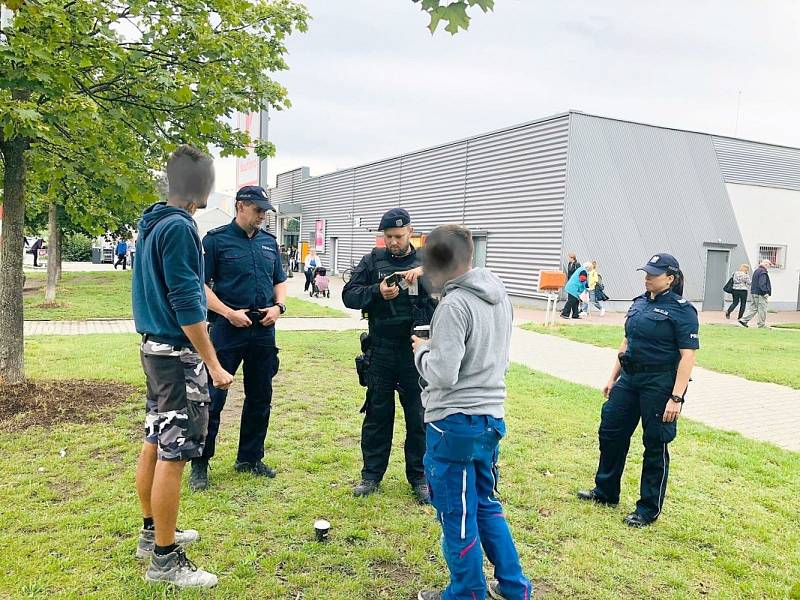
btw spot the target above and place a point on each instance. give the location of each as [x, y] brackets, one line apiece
[660, 264]
[396, 217]
[255, 194]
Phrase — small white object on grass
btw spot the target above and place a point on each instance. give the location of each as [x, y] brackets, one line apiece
[62, 452]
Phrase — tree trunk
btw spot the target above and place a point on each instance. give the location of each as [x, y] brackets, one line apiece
[60, 247]
[53, 259]
[12, 367]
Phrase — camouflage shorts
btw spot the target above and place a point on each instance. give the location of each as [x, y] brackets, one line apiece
[177, 400]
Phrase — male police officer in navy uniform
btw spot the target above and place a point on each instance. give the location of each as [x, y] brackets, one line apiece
[246, 292]
[393, 310]
[648, 382]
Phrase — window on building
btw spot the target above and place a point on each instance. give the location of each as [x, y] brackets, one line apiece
[774, 254]
[479, 258]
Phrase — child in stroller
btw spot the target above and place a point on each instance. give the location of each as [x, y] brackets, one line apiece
[320, 283]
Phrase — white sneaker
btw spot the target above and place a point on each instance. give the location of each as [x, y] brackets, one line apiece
[602, 312]
[178, 570]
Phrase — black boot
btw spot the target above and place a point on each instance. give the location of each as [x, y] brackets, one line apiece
[421, 492]
[198, 480]
[366, 487]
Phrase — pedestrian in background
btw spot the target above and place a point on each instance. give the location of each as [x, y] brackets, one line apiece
[572, 264]
[311, 263]
[761, 289]
[121, 252]
[464, 366]
[740, 281]
[35, 247]
[575, 288]
[595, 288]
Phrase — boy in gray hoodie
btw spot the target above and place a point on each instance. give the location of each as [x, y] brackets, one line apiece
[463, 366]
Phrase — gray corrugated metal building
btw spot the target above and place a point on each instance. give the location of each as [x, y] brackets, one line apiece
[610, 190]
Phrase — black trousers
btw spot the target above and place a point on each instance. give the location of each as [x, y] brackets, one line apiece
[740, 298]
[234, 347]
[572, 306]
[641, 396]
[309, 273]
[122, 259]
[392, 368]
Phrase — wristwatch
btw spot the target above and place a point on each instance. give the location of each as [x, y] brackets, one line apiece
[281, 306]
[678, 399]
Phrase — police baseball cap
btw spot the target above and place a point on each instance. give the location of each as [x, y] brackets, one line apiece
[660, 264]
[397, 217]
[255, 194]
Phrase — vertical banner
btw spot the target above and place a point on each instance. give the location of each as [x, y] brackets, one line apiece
[319, 235]
[247, 168]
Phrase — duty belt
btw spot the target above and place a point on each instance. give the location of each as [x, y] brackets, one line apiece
[632, 367]
[391, 343]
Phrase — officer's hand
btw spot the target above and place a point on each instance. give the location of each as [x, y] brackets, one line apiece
[271, 315]
[412, 275]
[607, 387]
[418, 342]
[221, 378]
[389, 292]
[239, 318]
[672, 411]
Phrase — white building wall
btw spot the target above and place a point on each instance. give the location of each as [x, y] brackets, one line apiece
[771, 216]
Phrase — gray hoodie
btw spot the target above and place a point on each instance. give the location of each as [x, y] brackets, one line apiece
[466, 361]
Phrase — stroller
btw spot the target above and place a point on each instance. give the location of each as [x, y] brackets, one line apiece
[320, 284]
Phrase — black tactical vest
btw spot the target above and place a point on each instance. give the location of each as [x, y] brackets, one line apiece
[396, 318]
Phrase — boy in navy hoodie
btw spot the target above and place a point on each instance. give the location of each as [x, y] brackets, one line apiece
[169, 309]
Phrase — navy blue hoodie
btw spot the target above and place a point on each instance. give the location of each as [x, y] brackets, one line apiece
[168, 278]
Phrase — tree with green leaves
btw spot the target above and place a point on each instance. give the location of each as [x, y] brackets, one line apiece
[452, 12]
[95, 93]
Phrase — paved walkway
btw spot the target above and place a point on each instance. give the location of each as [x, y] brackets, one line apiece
[761, 411]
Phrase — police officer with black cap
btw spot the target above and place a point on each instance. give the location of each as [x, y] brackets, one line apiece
[648, 382]
[386, 286]
[246, 294]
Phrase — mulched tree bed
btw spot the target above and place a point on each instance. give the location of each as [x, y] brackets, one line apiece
[49, 403]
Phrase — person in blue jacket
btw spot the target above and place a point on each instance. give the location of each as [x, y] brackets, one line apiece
[121, 251]
[648, 383]
[576, 285]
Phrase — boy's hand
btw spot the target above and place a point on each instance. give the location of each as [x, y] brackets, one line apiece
[418, 342]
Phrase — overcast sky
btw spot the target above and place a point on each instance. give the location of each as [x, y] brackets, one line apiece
[368, 81]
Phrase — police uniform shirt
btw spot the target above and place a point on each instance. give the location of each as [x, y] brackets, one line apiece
[657, 329]
[242, 269]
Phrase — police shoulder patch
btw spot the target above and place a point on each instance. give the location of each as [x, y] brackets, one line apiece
[217, 230]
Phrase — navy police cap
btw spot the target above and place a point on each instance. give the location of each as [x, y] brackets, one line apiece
[396, 217]
[255, 194]
[660, 264]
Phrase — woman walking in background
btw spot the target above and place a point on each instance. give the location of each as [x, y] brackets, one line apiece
[741, 284]
[311, 263]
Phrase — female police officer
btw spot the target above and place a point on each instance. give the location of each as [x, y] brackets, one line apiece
[648, 381]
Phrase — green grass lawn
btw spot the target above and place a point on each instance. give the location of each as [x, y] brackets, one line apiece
[730, 527]
[107, 295]
[787, 325]
[755, 354]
